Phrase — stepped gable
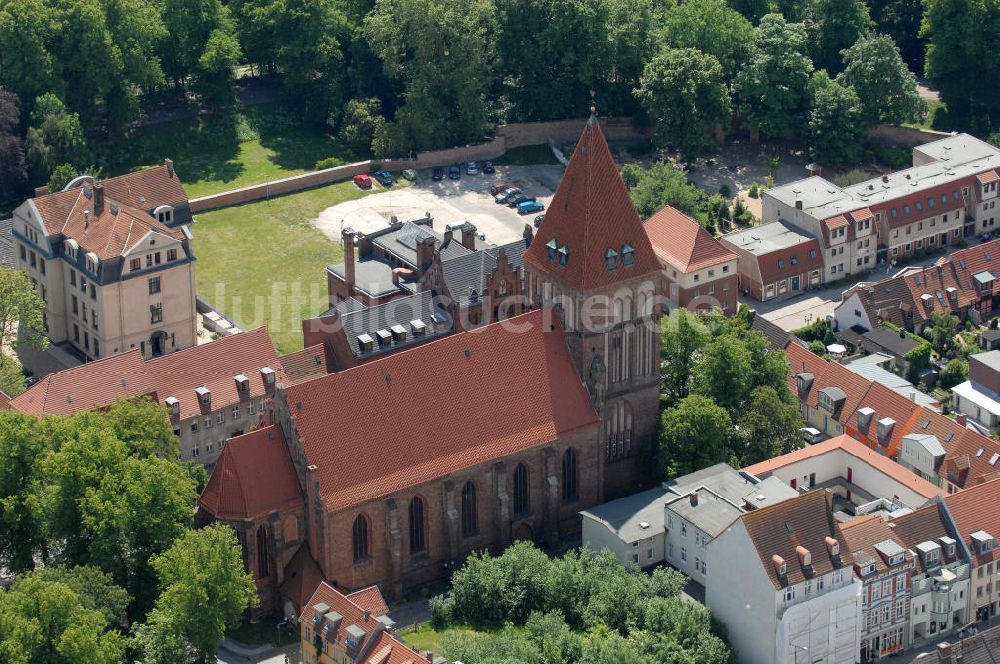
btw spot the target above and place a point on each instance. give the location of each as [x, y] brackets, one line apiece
[591, 213]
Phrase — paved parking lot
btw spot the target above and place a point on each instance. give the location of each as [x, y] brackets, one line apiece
[448, 202]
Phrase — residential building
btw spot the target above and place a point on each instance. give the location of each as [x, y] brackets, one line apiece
[827, 391]
[880, 339]
[699, 270]
[873, 368]
[335, 628]
[858, 478]
[939, 578]
[776, 260]
[114, 262]
[632, 527]
[979, 397]
[883, 566]
[214, 391]
[796, 598]
[977, 521]
[973, 647]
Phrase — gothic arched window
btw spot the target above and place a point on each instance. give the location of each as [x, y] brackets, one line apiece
[522, 503]
[470, 520]
[359, 536]
[570, 483]
[417, 542]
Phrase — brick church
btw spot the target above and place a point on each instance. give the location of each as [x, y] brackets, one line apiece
[393, 470]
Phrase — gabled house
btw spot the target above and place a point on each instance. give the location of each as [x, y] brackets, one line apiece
[978, 523]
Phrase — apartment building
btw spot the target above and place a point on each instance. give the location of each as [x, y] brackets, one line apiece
[978, 521]
[700, 271]
[114, 261]
[979, 397]
[776, 260]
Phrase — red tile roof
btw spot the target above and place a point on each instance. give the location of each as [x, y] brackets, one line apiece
[987, 177]
[4, 400]
[176, 374]
[590, 213]
[922, 525]
[304, 365]
[886, 403]
[845, 443]
[449, 404]
[387, 649]
[370, 599]
[910, 201]
[302, 575]
[833, 223]
[805, 521]
[790, 261]
[864, 532]
[253, 477]
[855, 386]
[975, 509]
[682, 243]
[384, 648]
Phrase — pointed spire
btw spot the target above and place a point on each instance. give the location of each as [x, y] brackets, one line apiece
[592, 120]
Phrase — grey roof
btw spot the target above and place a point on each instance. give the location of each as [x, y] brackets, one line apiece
[983, 277]
[870, 367]
[624, 515]
[891, 340]
[469, 272]
[928, 442]
[402, 241]
[835, 393]
[400, 311]
[711, 513]
[990, 335]
[720, 478]
[6, 244]
[345, 306]
[889, 548]
[990, 358]
[764, 239]
[771, 490]
[372, 276]
[776, 337]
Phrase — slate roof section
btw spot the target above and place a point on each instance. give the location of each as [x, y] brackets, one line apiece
[710, 513]
[777, 338]
[7, 244]
[471, 272]
[253, 477]
[623, 516]
[410, 440]
[967, 510]
[423, 306]
[805, 521]
[590, 213]
[681, 242]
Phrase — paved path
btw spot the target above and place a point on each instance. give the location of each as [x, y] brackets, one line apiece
[285, 655]
[410, 614]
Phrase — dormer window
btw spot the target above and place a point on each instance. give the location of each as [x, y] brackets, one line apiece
[242, 384]
[71, 247]
[628, 255]
[611, 259]
[885, 426]
[204, 396]
[552, 246]
[92, 262]
[563, 255]
[164, 214]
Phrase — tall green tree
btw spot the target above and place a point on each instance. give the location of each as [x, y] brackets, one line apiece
[13, 167]
[712, 27]
[202, 46]
[944, 329]
[771, 91]
[768, 427]
[55, 138]
[900, 21]
[694, 434]
[683, 336]
[204, 589]
[835, 124]
[961, 62]
[663, 184]
[48, 618]
[833, 26]
[28, 68]
[886, 89]
[22, 515]
[684, 92]
[441, 52]
[22, 312]
[724, 373]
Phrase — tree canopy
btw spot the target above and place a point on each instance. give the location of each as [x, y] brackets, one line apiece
[886, 88]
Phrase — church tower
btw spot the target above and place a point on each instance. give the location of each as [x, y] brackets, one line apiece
[591, 257]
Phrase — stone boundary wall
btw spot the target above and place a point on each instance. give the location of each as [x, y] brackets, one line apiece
[905, 136]
[508, 137]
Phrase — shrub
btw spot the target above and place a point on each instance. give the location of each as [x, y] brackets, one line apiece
[441, 608]
[725, 191]
[329, 162]
[817, 347]
[754, 190]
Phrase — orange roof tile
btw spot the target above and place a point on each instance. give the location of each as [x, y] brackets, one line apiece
[968, 510]
[987, 177]
[804, 521]
[302, 575]
[682, 243]
[353, 614]
[452, 403]
[856, 449]
[922, 525]
[253, 477]
[590, 213]
[371, 599]
[886, 403]
[864, 532]
[304, 365]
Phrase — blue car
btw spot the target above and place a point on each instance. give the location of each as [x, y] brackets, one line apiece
[530, 207]
[384, 178]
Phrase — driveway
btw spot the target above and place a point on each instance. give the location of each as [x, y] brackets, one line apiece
[448, 202]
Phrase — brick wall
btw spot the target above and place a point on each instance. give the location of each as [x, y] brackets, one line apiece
[905, 136]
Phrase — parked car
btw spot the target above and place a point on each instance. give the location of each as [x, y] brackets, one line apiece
[438, 174]
[514, 201]
[530, 207]
[538, 220]
[472, 168]
[363, 181]
[507, 194]
[488, 168]
[384, 178]
[454, 173]
[500, 186]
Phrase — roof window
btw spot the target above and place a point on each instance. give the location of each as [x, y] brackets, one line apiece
[611, 258]
[552, 245]
[628, 255]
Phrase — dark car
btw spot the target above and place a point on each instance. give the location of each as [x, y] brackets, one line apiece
[514, 201]
[488, 168]
[454, 173]
[507, 194]
[500, 186]
[538, 220]
[384, 178]
[438, 174]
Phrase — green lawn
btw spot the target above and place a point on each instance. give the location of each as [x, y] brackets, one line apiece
[424, 637]
[263, 633]
[932, 121]
[230, 150]
[264, 264]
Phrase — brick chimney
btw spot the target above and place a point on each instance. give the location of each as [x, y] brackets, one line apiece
[693, 497]
[41, 191]
[425, 251]
[961, 418]
[348, 237]
[169, 163]
[448, 234]
[98, 199]
[469, 236]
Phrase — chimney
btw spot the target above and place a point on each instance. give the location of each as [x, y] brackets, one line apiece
[469, 236]
[528, 235]
[779, 565]
[348, 237]
[913, 396]
[41, 191]
[86, 219]
[169, 163]
[448, 233]
[368, 615]
[425, 251]
[833, 546]
[944, 652]
[98, 199]
[428, 655]
[961, 418]
[798, 203]
[267, 373]
[885, 178]
[693, 497]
